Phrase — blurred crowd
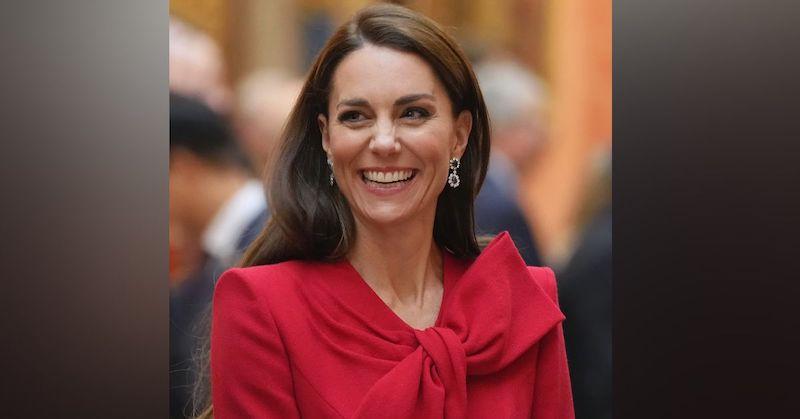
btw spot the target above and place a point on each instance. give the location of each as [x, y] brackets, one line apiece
[223, 137]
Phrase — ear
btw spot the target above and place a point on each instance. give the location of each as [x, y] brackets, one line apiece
[322, 121]
[463, 128]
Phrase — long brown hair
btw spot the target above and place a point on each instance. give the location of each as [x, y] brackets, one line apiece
[310, 220]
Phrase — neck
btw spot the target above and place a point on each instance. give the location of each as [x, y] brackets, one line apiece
[401, 263]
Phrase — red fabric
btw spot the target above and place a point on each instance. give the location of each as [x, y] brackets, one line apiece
[311, 339]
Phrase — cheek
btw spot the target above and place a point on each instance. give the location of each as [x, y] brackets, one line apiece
[178, 195]
[174, 200]
[345, 145]
[433, 145]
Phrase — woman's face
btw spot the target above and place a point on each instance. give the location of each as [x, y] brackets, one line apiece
[390, 133]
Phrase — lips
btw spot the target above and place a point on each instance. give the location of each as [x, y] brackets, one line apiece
[387, 177]
[388, 181]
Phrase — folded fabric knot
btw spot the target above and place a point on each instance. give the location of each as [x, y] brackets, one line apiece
[449, 362]
[433, 378]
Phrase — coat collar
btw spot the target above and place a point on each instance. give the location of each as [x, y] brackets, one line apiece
[492, 304]
[493, 311]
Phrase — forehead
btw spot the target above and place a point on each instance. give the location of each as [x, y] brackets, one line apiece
[374, 72]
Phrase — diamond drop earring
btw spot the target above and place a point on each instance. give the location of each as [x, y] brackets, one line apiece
[453, 180]
[330, 178]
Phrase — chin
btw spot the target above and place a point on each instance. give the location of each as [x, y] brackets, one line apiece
[385, 216]
[392, 210]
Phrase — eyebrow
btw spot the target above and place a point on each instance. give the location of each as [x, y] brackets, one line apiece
[356, 102]
[413, 98]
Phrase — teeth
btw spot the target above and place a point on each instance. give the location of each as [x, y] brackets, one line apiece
[387, 177]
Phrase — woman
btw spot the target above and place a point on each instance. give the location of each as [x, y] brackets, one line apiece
[367, 295]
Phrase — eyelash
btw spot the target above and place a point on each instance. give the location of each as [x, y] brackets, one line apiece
[422, 113]
[350, 116]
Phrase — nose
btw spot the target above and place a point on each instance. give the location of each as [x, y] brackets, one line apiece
[384, 140]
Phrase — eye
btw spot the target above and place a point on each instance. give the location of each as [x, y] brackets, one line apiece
[351, 116]
[416, 113]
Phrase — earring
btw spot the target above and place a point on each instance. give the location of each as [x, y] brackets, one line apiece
[453, 180]
[330, 178]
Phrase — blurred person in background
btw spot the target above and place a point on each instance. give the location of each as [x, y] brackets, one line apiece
[585, 292]
[196, 69]
[515, 98]
[196, 66]
[218, 208]
[264, 100]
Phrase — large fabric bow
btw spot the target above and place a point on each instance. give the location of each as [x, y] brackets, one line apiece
[481, 330]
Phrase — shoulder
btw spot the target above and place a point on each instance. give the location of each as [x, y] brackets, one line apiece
[273, 283]
[546, 279]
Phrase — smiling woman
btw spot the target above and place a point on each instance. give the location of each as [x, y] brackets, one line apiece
[390, 137]
[367, 294]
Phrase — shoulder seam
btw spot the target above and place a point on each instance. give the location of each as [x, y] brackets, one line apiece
[265, 309]
[547, 282]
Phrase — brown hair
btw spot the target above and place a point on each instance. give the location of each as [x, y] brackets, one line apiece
[310, 220]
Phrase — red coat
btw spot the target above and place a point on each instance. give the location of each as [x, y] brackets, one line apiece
[311, 339]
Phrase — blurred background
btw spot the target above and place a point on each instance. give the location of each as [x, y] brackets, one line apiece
[544, 67]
